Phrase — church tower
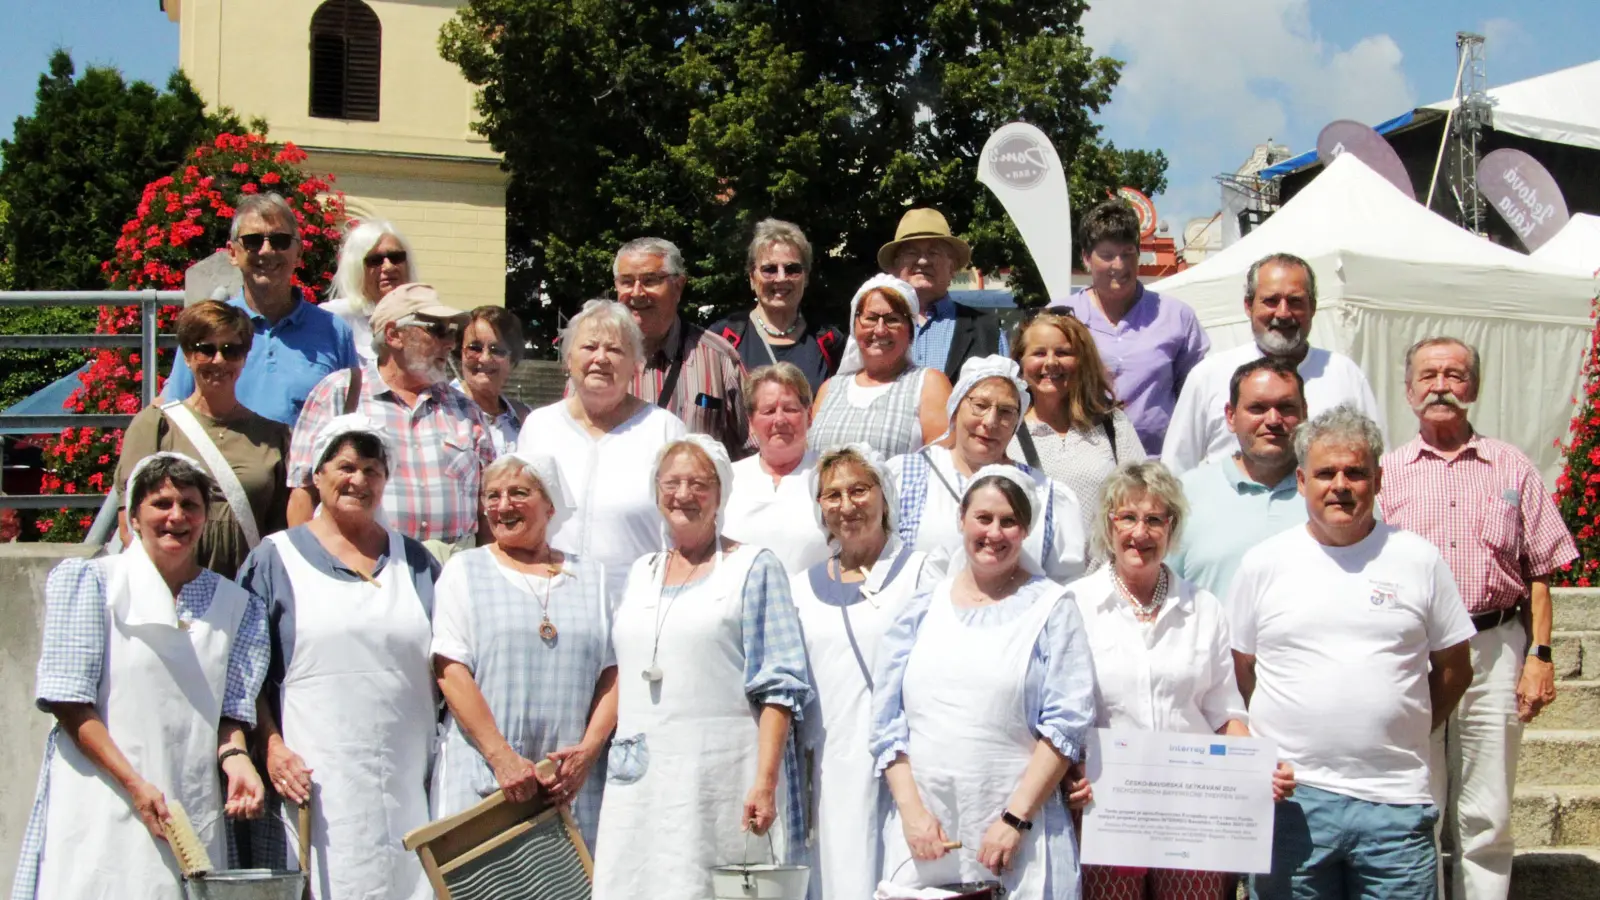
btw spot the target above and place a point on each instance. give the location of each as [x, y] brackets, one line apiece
[360, 86]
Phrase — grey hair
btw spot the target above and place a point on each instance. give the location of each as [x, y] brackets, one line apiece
[511, 464]
[651, 246]
[1344, 425]
[1128, 481]
[1474, 363]
[270, 205]
[777, 231]
[610, 316]
[1279, 259]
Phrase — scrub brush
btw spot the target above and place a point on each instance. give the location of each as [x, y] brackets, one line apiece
[192, 857]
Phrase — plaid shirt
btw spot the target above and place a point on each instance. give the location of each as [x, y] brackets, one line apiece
[930, 345]
[710, 371]
[442, 446]
[1486, 510]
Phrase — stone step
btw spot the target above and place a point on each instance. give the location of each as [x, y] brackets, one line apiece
[1568, 873]
[1576, 609]
[1577, 707]
[1576, 653]
[1558, 757]
[1556, 816]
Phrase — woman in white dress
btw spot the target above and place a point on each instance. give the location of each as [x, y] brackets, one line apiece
[846, 603]
[1163, 660]
[150, 665]
[711, 673]
[349, 713]
[983, 699]
[522, 650]
[374, 259]
[601, 437]
[771, 502]
[983, 411]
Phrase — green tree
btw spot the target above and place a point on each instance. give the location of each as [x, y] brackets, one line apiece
[72, 174]
[694, 120]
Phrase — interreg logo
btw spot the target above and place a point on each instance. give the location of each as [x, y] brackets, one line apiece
[1020, 161]
[1200, 749]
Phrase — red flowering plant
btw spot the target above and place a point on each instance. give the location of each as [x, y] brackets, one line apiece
[1578, 487]
[181, 219]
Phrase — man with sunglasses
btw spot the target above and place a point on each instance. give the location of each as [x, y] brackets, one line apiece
[441, 438]
[296, 343]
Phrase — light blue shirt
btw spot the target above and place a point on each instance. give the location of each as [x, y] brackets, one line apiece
[287, 359]
[1228, 515]
[930, 344]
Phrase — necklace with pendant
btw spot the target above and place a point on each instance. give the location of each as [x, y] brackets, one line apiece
[547, 628]
[761, 322]
[1144, 612]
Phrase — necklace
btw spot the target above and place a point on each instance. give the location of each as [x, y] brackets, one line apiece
[1144, 612]
[547, 628]
[653, 674]
[760, 319]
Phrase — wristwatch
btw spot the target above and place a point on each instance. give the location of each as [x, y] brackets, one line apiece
[1541, 652]
[231, 752]
[1015, 821]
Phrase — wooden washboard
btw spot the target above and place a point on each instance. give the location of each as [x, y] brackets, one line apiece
[499, 850]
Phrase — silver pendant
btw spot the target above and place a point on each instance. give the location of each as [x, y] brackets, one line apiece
[652, 674]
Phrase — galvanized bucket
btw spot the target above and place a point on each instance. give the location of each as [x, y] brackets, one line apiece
[246, 884]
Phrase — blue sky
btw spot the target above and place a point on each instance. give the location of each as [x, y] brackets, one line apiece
[1206, 80]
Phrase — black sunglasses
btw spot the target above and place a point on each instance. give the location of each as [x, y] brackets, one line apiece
[440, 329]
[790, 269]
[280, 240]
[479, 348]
[397, 257]
[209, 350]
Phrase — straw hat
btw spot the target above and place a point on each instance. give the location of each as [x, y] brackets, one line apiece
[924, 224]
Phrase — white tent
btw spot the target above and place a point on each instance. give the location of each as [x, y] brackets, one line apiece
[1389, 273]
[1561, 106]
[1576, 245]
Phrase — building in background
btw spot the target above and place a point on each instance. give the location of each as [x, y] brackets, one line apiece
[360, 86]
[1246, 200]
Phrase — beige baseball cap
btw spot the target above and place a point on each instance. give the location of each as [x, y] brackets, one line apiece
[412, 300]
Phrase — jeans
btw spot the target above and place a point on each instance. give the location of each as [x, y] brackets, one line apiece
[1327, 846]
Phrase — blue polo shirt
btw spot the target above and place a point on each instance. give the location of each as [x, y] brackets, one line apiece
[930, 344]
[1229, 514]
[286, 360]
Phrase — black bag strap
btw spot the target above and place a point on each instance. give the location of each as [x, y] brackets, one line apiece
[670, 383]
[939, 475]
[352, 394]
[1030, 453]
[1111, 437]
[849, 632]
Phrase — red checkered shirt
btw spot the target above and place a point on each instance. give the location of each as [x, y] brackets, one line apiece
[441, 446]
[1486, 510]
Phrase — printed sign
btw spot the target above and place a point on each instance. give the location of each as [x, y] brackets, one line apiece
[1143, 206]
[1347, 136]
[1021, 168]
[1525, 194]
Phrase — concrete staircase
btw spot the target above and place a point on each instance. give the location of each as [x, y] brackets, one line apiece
[1556, 811]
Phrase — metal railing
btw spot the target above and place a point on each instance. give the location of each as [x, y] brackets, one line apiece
[147, 341]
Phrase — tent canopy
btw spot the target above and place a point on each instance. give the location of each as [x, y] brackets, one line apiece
[1389, 273]
[1562, 107]
[1576, 245]
[50, 400]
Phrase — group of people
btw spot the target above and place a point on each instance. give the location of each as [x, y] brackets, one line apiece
[859, 593]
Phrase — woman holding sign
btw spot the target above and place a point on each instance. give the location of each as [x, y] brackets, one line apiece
[1162, 656]
[982, 698]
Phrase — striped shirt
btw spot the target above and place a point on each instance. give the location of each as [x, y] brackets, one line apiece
[886, 421]
[706, 396]
[441, 447]
[1486, 510]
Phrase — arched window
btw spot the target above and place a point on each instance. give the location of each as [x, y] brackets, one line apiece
[346, 58]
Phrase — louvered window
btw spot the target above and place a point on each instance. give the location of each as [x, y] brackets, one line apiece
[346, 59]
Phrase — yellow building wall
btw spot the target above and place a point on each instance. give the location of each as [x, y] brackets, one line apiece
[419, 166]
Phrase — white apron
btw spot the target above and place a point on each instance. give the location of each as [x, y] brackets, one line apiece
[161, 693]
[661, 834]
[358, 707]
[848, 849]
[971, 740]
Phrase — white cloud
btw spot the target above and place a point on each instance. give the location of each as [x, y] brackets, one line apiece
[1207, 81]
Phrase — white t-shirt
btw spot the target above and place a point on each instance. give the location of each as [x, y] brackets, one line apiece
[616, 521]
[1173, 674]
[1341, 637]
[781, 517]
[356, 314]
[1199, 427]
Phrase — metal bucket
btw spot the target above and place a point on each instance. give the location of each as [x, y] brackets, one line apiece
[976, 890]
[246, 884]
[759, 881]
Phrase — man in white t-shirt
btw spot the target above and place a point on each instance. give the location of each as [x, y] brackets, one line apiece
[1280, 295]
[1350, 644]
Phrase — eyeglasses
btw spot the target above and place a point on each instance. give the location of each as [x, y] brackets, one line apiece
[890, 322]
[280, 241]
[209, 350]
[771, 270]
[908, 255]
[858, 494]
[695, 485]
[374, 260]
[649, 281]
[437, 327]
[479, 348]
[1126, 522]
[982, 408]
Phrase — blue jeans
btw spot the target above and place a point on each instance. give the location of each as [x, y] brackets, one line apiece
[1327, 846]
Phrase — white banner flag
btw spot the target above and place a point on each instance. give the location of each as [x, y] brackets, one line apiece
[1021, 168]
